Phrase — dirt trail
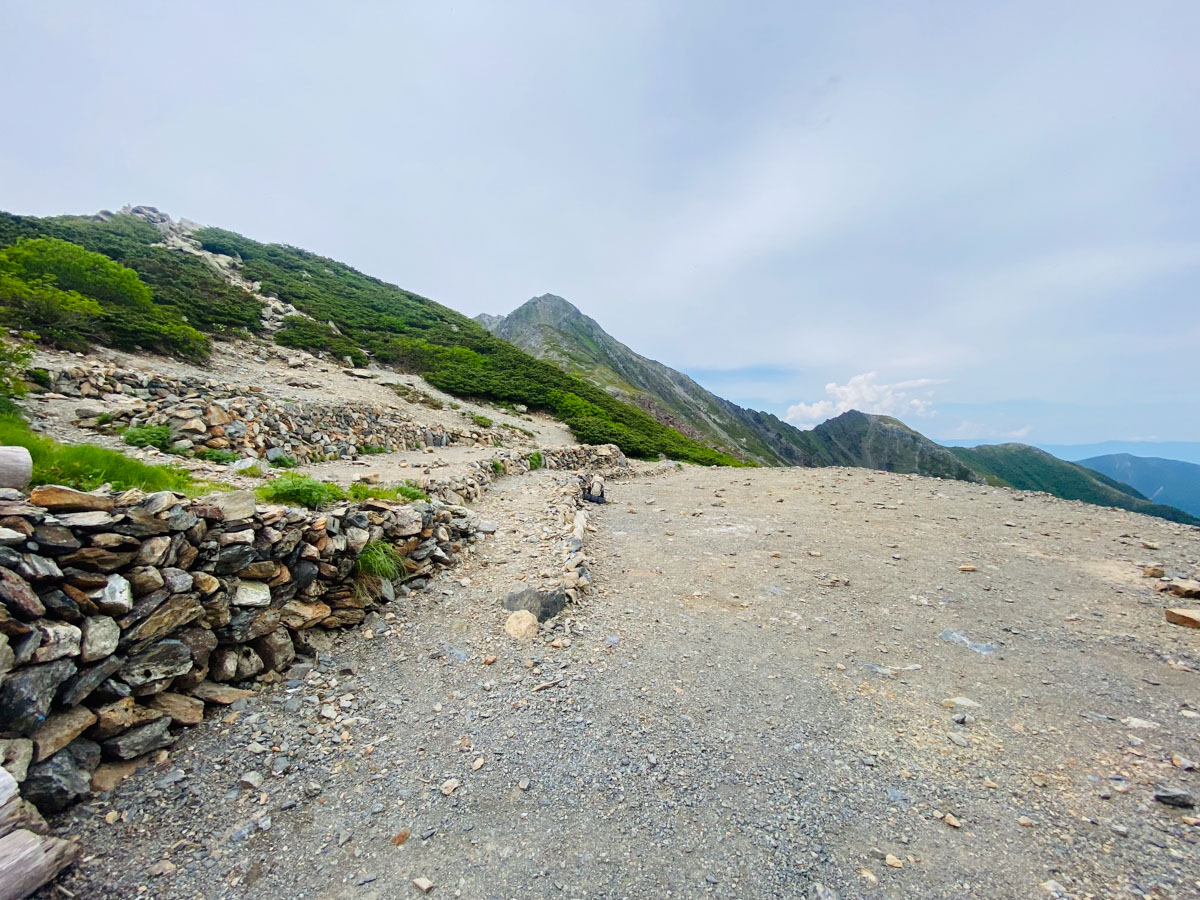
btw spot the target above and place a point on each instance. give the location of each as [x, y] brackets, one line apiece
[751, 705]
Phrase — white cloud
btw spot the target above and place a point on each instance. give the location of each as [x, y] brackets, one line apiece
[972, 431]
[864, 393]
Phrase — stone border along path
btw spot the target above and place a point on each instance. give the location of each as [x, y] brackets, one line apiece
[203, 414]
[292, 755]
[121, 616]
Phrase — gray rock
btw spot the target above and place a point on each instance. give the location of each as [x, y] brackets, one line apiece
[53, 539]
[252, 593]
[543, 604]
[19, 597]
[1177, 797]
[37, 568]
[143, 739]
[60, 606]
[26, 695]
[116, 599]
[100, 635]
[163, 660]
[80, 686]
[233, 505]
[177, 581]
[64, 778]
[59, 639]
[234, 558]
[16, 755]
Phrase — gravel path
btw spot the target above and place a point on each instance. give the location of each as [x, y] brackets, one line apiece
[752, 704]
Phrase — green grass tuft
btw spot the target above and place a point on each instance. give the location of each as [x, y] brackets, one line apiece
[360, 490]
[536, 460]
[217, 456]
[148, 436]
[380, 559]
[301, 490]
[497, 467]
[481, 421]
[86, 466]
[371, 449]
[287, 462]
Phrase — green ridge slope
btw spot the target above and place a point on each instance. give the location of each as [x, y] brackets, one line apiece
[1030, 469]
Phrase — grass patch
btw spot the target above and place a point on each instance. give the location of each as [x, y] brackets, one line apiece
[360, 490]
[413, 395]
[380, 559]
[86, 466]
[285, 462]
[301, 490]
[148, 436]
[497, 467]
[39, 376]
[524, 431]
[536, 460]
[482, 421]
[254, 471]
[371, 449]
[217, 456]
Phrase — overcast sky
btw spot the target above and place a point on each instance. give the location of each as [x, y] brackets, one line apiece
[982, 218]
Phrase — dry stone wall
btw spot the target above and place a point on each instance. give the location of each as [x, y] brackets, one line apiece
[123, 615]
[204, 414]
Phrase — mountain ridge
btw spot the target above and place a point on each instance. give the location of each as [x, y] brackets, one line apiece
[1170, 481]
[551, 328]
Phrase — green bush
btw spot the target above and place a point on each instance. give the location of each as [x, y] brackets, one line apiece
[86, 466]
[148, 436]
[497, 467]
[71, 297]
[454, 353]
[286, 462]
[301, 490]
[371, 449]
[13, 360]
[187, 286]
[536, 460]
[482, 421]
[317, 337]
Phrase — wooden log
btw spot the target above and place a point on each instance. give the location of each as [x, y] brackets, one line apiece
[16, 467]
[16, 813]
[28, 860]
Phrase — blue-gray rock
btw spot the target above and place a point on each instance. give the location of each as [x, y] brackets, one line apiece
[26, 694]
[64, 778]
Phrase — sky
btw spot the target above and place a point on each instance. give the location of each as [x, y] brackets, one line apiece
[981, 218]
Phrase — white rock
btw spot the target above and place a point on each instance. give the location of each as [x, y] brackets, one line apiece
[252, 593]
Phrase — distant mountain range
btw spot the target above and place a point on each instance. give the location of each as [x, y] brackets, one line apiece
[552, 329]
[1185, 451]
[1169, 481]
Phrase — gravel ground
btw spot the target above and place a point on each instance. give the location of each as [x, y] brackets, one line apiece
[752, 704]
